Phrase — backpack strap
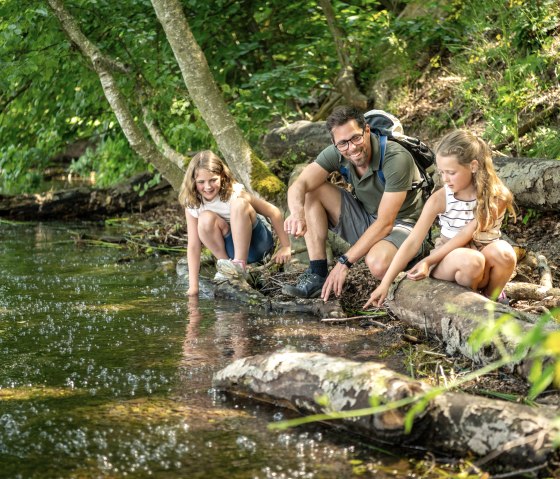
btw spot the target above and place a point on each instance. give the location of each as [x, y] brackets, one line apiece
[382, 147]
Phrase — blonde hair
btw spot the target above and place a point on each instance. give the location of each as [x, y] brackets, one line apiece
[204, 160]
[491, 193]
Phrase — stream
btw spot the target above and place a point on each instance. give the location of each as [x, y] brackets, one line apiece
[106, 368]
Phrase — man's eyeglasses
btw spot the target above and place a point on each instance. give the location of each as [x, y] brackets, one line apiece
[356, 140]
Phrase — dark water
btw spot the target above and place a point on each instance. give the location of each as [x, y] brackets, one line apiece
[105, 371]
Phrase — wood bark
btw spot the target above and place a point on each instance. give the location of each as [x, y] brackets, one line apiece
[505, 435]
[104, 68]
[453, 313]
[83, 202]
[237, 153]
[346, 83]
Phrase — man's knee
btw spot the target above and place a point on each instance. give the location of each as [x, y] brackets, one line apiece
[378, 265]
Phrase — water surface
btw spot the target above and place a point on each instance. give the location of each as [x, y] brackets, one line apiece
[105, 371]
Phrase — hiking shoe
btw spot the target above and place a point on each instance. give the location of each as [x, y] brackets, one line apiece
[309, 285]
[228, 270]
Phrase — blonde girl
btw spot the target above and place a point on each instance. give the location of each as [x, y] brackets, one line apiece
[223, 216]
[470, 206]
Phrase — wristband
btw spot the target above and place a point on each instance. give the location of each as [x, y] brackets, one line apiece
[344, 260]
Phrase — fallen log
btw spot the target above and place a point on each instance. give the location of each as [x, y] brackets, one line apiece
[86, 203]
[453, 313]
[506, 435]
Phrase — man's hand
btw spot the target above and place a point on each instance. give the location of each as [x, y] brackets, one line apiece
[334, 282]
[295, 225]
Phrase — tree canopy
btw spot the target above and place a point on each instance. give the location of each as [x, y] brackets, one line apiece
[273, 62]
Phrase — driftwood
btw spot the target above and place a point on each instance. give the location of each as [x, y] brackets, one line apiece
[534, 182]
[503, 435]
[86, 203]
[452, 313]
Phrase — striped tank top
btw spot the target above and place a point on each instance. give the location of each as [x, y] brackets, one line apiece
[457, 214]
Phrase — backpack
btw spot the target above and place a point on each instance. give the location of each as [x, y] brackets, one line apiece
[388, 127]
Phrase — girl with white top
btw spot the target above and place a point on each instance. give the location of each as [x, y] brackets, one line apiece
[470, 207]
[223, 216]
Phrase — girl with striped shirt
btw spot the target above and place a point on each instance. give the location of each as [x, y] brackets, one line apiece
[470, 207]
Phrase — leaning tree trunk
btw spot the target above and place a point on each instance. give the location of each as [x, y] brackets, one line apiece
[104, 68]
[239, 156]
[346, 83]
[504, 434]
[453, 313]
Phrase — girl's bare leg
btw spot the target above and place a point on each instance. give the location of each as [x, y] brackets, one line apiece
[500, 261]
[243, 217]
[465, 266]
[211, 230]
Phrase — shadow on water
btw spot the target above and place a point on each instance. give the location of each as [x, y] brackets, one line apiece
[106, 366]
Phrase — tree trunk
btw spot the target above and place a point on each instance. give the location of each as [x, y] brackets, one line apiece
[104, 67]
[534, 182]
[453, 313]
[510, 435]
[247, 168]
[85, 202]
[346, 83]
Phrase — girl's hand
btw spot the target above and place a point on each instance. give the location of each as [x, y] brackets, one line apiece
[192, 291]
[283, 255]
[377, 297]
[419, 271]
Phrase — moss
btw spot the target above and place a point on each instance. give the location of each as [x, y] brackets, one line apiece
[263, 181]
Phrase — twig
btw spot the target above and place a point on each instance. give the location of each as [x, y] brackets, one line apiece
[351, 318]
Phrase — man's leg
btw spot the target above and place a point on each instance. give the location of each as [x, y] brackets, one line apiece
[379, 258]
[381, 254]
[322, 207]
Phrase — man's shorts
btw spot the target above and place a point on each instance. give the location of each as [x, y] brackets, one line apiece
[355, 220]
[261, 242]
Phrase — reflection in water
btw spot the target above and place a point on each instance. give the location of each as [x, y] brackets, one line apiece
[105, 371]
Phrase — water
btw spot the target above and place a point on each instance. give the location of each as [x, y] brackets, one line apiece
[105, 371]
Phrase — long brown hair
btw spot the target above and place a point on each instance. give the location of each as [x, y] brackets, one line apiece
[204, 160]
[491, 193]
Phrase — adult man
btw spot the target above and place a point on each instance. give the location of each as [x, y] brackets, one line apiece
[375, 221]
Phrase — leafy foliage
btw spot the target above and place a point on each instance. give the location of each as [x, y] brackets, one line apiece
[274, 62]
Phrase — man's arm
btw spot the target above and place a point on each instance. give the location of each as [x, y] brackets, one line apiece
[386, 214]
[312, 176]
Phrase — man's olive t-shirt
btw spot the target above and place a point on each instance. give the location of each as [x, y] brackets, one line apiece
[399, 171]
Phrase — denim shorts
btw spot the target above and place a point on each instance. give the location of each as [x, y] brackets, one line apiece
[261, 242]
[355, 220]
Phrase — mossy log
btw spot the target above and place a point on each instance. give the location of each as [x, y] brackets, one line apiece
[506, 435]
[453, 313]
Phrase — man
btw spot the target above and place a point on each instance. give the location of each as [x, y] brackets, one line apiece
[375, 220]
